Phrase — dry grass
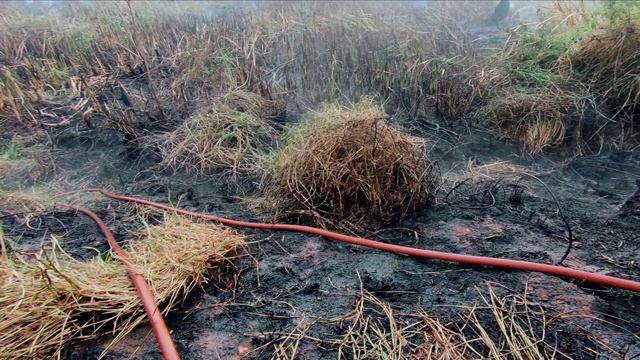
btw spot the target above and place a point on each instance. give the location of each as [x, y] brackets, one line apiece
[469, 10]
[496, 170]
[253, 104]
[419, 61]
[371, 331]
[436, 341]
[35, 201]
[553, 81]
[530, 101]
[173, 59]
[521, 330]
[25, 203]
[509, 327]
[231, 134]
[50, 299]
[24, 166]
[537, 120]
[347, 164]
[485, 185]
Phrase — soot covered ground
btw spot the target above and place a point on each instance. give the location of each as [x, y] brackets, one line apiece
[290, 278]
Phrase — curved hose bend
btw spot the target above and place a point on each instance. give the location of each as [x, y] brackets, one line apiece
[605, 280]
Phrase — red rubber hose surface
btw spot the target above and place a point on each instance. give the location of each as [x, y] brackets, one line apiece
[160, 329]
[429, 254]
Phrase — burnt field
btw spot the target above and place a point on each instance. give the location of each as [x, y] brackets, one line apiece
[421, 124]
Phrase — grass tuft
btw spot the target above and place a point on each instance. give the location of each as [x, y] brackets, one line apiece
[609, 62]
[347, 164]
[231, 134]
[534, 119]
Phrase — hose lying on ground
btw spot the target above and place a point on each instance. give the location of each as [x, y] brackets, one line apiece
[429, 254]
[167, 346]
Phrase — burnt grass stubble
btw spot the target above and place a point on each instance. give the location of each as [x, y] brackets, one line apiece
[299, 275]
[290, 276]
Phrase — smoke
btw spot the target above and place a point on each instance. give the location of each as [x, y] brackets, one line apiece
[529, 11]
[208, 8]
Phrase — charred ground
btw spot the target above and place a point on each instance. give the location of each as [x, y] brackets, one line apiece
[295, 293]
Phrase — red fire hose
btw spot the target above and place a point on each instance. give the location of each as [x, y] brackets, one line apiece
[428, 254]
[162, 333]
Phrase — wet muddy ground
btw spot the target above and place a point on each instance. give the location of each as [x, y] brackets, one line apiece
[288, 279]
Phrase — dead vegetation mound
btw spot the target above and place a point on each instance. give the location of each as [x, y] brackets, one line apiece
[49, 299]
[535, 119]
[347, 164]
[230, 134]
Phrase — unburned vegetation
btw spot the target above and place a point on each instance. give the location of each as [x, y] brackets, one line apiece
[425, 124]
[574, 81]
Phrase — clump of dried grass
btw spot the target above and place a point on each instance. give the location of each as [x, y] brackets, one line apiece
[535, 118]
[496, 170]
[50, 299]
[231, 134]
[459, 92]
[251, 103]
[15, 202]
[347, 164]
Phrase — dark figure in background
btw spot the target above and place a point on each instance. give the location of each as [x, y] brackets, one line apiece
[501, 12]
